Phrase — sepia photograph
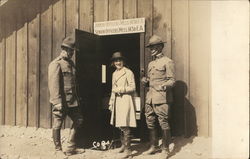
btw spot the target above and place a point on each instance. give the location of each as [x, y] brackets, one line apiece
[116, 79]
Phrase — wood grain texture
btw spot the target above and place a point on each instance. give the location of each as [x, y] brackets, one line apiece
[162, 20]
[183, 113]
[72, 16]
[33, 62]
[115, 9]
[45, 58]
[100, 10]
[129, 9]
[10, 75]
[2, 66]
[58, 26]
[21, 66]
[145, 10]
[199, 62]
[86, 15]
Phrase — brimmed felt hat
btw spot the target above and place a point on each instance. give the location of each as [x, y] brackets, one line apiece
[117, 55]
[69, 42]
[154, 40]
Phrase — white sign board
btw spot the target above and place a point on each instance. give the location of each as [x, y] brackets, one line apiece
[124, 26]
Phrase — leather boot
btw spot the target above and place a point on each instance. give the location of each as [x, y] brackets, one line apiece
[127, 143]
[166, 137]
[71, 147]
[56, 135]
[122, 148]
[153, 142]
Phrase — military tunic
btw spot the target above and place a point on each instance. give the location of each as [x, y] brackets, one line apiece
[62, 85]
[62, 89]
[160, 74]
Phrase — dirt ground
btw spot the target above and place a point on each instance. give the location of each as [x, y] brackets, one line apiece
[32, 143]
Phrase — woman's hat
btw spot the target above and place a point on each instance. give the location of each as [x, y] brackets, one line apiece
[117, 55]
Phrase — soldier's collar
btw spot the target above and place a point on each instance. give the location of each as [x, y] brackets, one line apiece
[64, 58]
[159, 56]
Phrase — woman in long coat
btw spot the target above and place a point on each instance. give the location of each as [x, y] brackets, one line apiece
[121, 101]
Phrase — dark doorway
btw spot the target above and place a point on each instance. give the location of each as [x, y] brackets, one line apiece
[94, 53]
[129, 45]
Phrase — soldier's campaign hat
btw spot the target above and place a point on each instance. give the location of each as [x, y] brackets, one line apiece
[69, 42]
[154, 40]
[117, 55]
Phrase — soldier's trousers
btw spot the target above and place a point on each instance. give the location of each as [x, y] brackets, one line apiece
[157, 111]
[75, 115]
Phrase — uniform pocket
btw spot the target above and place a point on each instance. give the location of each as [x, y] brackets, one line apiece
[160, 68]
[68, 94]
[67, 72]
[160, 71]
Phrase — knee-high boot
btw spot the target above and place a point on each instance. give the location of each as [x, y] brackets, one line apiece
[127, 143]
[122, 148]
[71, 145]
[166, 139]
[56, 135]
[153, 142]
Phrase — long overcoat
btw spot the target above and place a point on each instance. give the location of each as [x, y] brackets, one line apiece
[123, 107]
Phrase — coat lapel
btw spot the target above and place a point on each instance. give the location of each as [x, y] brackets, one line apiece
[120, 75]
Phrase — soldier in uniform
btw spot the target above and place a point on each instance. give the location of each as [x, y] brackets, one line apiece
[160, 79]
[63, 95]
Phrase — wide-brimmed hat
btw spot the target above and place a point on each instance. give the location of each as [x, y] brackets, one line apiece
[69, 42]
[154, 40]
[117, 55]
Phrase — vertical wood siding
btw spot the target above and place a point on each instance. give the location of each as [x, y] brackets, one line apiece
[180, 54]
[2, 67]
[199, 61]
[45, 58]
[21, 66]
[10, 67]
[33, 63]
[86, 15]
[28, 44]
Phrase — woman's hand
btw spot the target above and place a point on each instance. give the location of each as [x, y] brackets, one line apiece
[119, 90]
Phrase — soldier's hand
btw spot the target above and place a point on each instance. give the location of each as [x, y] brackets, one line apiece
[58, 106]
[163, 88]
[144, 80]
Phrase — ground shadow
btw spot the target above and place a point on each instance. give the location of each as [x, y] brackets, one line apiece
[183, 116]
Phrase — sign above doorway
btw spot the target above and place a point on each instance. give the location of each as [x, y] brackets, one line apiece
[125, 26]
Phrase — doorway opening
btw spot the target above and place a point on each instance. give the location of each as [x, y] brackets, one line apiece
[95, 80]
[129, 45]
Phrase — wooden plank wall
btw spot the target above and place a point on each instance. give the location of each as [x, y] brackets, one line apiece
[33, 63]
[200, 42]
[180, 54]
[21, 65]
[45, 58]
[191, 53]
[42, 27]
[10, 67]
[2, 67]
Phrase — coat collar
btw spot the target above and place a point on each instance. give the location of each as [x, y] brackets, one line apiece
[120, 74]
